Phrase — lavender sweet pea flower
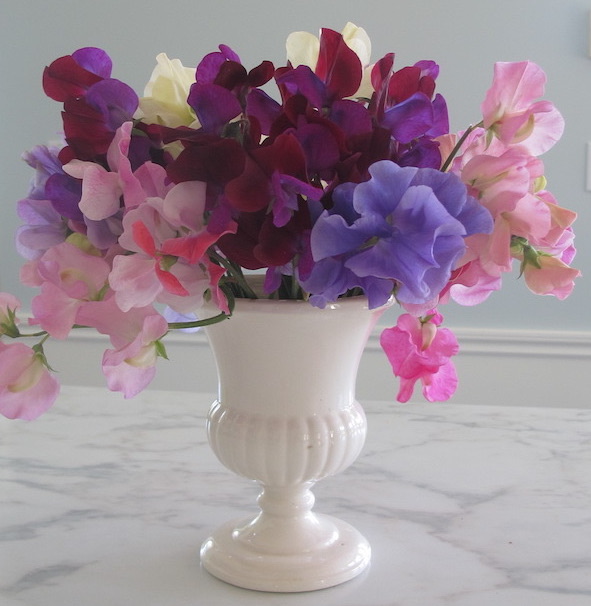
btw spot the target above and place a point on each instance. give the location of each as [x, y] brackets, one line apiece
[43, 225]
[44, 160]
[405, 226]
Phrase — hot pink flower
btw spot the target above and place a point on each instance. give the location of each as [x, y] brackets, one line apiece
[511, 111]
[27, 389]
[418, 350]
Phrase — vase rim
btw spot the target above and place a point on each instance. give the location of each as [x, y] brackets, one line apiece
[302, 306]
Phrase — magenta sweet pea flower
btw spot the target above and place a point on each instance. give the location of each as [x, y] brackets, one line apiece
[419, 350]
[27, 389]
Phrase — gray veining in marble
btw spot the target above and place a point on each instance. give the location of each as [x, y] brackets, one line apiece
[106, 501]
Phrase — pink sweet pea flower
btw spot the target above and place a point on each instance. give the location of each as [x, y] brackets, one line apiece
[511, 112]
[134, 334]
[170, 241]
[27, 389]
[550, 277]
[103, 189]
[132, 367]
[69, 277]
[418, 350]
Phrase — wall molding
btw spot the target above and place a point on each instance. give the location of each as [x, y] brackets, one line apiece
[495, 366]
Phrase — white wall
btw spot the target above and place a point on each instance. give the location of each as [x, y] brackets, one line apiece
[464, 36]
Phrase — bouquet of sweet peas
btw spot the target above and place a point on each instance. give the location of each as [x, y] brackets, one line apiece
[347, 182]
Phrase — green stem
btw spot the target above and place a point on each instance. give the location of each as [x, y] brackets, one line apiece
[236, 274]
[23, 335]
[198, 323]
[458, 145]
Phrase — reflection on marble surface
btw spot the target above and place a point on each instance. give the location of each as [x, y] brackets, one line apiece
[106, 501]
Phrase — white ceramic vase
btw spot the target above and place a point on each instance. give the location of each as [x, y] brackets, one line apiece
[286, 416]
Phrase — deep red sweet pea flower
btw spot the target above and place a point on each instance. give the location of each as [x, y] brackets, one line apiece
[274, 175]
[95, 105]
[208, 158]
[73, 75]
[259, 243]
[338, 66]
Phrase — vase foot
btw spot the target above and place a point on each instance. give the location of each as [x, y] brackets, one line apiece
[232, 554]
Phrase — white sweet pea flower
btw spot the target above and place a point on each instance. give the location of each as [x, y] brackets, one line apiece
[302, 49]
[357, 40]
[165, 95]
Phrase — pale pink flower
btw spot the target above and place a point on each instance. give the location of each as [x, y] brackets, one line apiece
[134, 334]
[170, 241]
[27, 389]
[132, 367]
[420, 351]
[103, 189]
[559, 238]
[507, 180]
[511, 111]
[69, 277]
[553, 277]
[471, 284]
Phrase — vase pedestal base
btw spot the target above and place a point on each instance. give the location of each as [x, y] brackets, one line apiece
[255, 555]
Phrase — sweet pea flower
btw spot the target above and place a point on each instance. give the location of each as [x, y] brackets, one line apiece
[103, 189]
[68, 277]
[27, 389]
[135, 336]
[170, 241]
[131, 368]
[306, 49]
[95, 104]
[511, 112]
[405, 225]
[165, 96]
[547, 275]
[419, 350]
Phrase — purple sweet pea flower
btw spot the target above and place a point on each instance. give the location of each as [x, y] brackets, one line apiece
[115, 100]
[214, 106]
[405, 226]
[95, 60]
[209, 67]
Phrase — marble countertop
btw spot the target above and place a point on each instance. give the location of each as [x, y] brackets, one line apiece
[105, 502]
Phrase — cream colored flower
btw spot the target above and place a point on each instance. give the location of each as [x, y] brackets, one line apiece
[303, 49]
[165, 95]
